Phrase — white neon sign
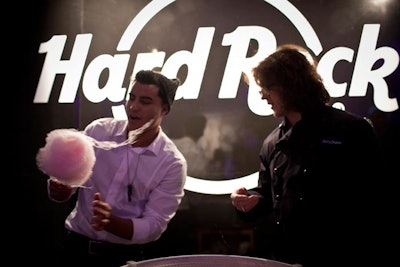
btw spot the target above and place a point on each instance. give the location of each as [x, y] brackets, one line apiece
[196, 60]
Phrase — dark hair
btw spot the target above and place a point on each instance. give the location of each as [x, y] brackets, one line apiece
[167, 87]
[294, 70]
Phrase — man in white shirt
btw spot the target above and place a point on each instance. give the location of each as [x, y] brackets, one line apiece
[134, 190]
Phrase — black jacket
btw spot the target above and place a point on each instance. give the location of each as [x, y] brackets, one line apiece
[319, 181]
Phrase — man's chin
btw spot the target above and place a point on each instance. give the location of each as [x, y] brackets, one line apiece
[134, 125]
[140, 125]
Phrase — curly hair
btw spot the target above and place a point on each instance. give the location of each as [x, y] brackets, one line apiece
[293, 72]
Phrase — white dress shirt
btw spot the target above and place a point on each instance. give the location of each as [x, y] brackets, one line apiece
[157, 174]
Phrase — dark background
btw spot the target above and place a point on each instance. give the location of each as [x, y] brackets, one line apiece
[37, 224]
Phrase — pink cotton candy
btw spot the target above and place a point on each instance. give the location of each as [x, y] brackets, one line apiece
[68, 156]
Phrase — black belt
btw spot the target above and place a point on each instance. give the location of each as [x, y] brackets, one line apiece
[95, 247]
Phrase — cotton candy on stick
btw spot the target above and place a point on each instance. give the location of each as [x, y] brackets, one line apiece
[67, 156]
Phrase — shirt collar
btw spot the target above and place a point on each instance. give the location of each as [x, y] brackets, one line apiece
[153, 148]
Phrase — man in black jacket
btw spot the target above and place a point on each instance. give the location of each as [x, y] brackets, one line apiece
[319, 170]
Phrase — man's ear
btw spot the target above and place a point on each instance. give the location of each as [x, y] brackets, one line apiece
[165, 109]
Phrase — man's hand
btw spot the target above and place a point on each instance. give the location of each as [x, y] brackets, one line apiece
[101, 213]
[58, 191]
[242, 200]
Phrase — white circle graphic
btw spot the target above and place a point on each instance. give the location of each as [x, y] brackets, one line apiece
[287, 9]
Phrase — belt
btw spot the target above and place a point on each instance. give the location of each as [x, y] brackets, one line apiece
[96, 247]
